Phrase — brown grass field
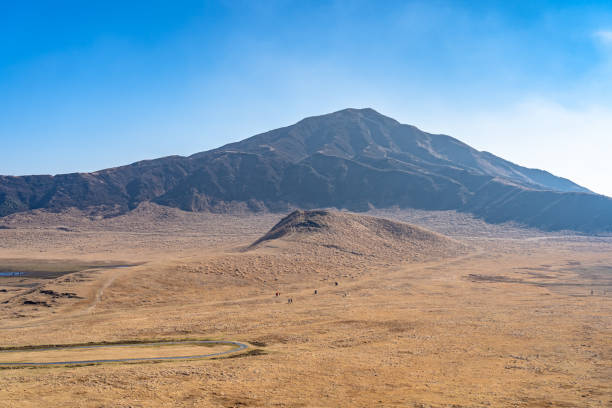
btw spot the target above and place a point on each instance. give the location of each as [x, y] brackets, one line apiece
[493, 316]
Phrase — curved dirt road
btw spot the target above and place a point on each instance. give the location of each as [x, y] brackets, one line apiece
[239, 347]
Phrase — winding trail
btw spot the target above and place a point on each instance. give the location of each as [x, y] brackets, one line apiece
[100, 292]
[239, 347]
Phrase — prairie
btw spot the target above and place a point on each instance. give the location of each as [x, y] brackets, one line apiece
[486, 315]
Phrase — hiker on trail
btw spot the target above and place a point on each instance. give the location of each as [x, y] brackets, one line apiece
[335, 283]
[289, 300]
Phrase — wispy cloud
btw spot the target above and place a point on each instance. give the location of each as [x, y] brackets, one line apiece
[572, 142]
[605, 36]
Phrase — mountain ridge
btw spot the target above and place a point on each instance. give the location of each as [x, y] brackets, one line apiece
[354, 159]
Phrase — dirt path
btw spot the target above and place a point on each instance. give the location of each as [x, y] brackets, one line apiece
[100, 292]
[114, 273]
[239, 347]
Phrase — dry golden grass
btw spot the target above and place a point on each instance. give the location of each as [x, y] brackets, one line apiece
[509, 322]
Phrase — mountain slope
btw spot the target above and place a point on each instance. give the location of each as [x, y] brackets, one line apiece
[353, 159]
[363, 134]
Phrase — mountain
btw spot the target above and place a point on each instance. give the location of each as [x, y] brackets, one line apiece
[353, 159]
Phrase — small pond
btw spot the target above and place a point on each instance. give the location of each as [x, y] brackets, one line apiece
[12, 274]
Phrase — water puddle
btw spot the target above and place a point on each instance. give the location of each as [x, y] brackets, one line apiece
[11, 274]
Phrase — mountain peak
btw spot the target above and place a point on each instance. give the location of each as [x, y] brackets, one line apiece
[360, 111]
[356, 113]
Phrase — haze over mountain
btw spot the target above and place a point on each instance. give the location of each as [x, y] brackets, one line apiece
[353, 159]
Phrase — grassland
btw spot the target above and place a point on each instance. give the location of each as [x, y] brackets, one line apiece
[519, 319]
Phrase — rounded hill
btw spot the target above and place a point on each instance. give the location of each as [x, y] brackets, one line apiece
[358, 235]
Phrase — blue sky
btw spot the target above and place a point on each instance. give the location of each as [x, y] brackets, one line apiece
[90, 85]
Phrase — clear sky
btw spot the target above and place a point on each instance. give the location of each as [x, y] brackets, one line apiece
[90, 85]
